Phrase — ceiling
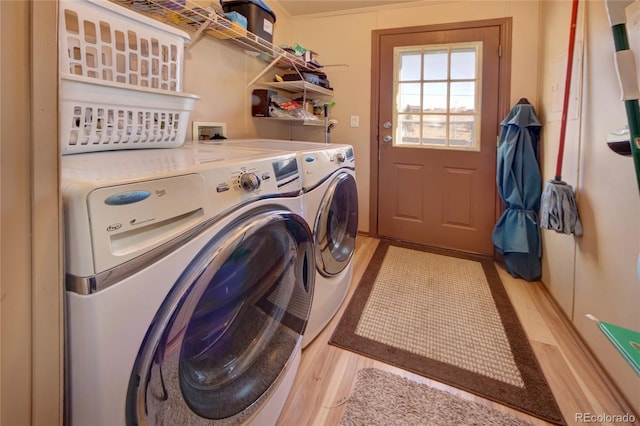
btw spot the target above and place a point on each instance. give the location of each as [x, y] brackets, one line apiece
[307, 7]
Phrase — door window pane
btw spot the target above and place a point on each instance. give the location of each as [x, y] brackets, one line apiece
[463, 64]
[435, 65]
[434, 130]
[434, 97]
[410, 66]
[408, 129]
[437, 96]
[462, 130]
[463, 97]
[408, 97]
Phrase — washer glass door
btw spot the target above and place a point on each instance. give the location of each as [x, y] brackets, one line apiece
[227, 331]
[337, 225]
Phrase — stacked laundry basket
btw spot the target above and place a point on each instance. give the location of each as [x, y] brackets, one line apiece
[121, 79]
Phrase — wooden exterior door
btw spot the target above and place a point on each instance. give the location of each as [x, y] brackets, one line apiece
[438, 117]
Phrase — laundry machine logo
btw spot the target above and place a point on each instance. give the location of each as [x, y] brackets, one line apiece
[114, 227]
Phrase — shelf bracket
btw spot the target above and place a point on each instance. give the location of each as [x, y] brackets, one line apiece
[196, 36]
[264, 71]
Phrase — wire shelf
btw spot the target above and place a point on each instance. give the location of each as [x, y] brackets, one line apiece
[206, 22]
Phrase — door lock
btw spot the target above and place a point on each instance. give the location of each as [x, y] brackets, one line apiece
[387, 125]
[387, 139]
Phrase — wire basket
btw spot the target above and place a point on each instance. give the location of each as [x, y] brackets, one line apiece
[95, 117]
[108, 42]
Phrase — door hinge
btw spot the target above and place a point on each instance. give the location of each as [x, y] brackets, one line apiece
[500, 51]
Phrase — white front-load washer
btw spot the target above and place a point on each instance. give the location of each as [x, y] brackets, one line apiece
[189, 283]
[331, 209]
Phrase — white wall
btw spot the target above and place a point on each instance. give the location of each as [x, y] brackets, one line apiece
[602, 279]
[558, 249]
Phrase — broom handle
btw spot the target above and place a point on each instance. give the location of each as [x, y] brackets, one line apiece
[567, 89]
[626, 69]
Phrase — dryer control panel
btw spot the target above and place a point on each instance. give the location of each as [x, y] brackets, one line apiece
[318, 165]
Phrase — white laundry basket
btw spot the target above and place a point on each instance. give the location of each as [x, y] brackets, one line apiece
[121, 77]
[101, 116]
[109, 42]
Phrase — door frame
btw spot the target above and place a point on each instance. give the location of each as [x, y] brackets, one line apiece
[31, 281]
[504, 92]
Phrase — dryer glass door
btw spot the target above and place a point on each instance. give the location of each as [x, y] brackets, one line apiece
[226, 333]
[337, 225]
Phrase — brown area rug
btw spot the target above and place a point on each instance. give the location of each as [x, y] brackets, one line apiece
[446, 316]
[383, 398]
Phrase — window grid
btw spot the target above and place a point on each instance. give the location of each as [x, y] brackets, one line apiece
[414, 121]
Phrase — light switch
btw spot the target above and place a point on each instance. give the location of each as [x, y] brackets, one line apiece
[354, 121]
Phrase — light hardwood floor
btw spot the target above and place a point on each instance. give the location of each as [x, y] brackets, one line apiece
[327, 373]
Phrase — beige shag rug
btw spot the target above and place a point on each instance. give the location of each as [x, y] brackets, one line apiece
[446, 316]
[382, 398]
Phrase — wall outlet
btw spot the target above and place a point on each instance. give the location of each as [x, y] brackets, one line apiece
[206, 130]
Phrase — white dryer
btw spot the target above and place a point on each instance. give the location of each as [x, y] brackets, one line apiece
[189, 283]
[331, 209]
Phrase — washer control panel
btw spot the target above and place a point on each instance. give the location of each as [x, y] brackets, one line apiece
[243, 180]
[239, 182]
[249, 181]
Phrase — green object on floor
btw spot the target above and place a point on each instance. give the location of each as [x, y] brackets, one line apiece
[626, 341]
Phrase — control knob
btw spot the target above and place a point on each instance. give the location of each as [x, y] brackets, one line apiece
[340, 157]
[249, 182]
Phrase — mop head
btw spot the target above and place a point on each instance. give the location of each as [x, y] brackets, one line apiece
[559, 210]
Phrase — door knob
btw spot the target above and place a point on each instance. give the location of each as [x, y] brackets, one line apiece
[387, 139]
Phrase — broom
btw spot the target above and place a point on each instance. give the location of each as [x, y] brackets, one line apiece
[626, 69]
[559, 210]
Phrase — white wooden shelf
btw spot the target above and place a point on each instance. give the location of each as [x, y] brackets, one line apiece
[316, 123]
[300, 88]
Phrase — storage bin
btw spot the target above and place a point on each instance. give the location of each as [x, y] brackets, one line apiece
[233, 25]
[108, 42]
[260, 18]
[234, 30]
[236, 17]
[100, 116]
